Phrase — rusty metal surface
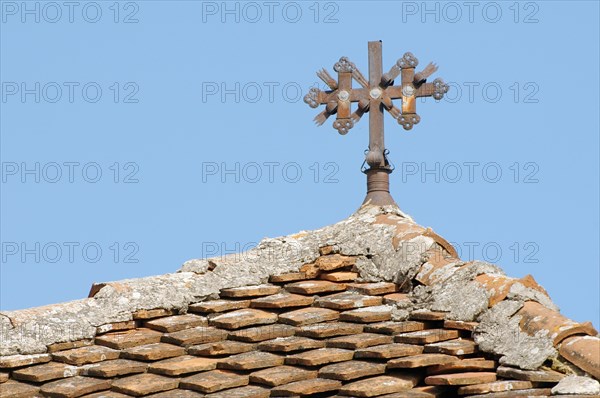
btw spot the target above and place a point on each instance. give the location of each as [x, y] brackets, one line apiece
[374, 95]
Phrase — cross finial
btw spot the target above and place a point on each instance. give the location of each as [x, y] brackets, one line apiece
[375, 95]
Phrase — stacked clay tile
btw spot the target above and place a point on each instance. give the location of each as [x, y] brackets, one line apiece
[317, 332]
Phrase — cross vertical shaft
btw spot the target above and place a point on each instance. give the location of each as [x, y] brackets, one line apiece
[376, 141]
[378, 174]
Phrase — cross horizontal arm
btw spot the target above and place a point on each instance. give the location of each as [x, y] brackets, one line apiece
[324, 97]
[379, 90]
[343, 94]
[424, 90]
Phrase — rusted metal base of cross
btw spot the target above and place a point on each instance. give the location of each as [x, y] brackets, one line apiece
[378, 187]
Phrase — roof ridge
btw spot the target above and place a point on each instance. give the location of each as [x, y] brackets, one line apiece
[380, 243]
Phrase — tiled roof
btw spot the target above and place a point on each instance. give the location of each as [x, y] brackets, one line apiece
[334, 322]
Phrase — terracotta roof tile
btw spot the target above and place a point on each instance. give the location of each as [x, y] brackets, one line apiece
[319, 357]
[69, 345]
[114, 368]
[461, 379]
[460, 325]
[308, 316]
[391, 327]
[427, 316]
[329, 329]
[226, 347]
[45, 372]
[213, 306]
[153, 352]
[498, 286]
[15, 361]
[250, 291]
[426, 336]
[182, 365]
[74, 387]
[362, 340]
[328, 249]
[464, 365]
[332, 262]
[388, 351]
[532, 392]
[396, 298]
[306, 387]
[179, 393]
[144, 384]
[310, 271]
[535, 317]
[529, 281]
[348, 301]
[496, 386]
[414, 393]
[437, 260]
[431, 391]
[529, 375]
[14, 389]
[251, 360]
[452, 347]
[289, 277]
[115, 327]
[194, 336]
[213, 381]
[176, 323]
[584, 352]
[242, 392]
[422, 360]
[373, 289]
[129, 338]
[341, 276]
[152, 313]
[289, 344]
[262, 333]
[114, 394]
[314, 287]
[85, 355]
[351, 370]
[368, 314]
[241, 318]
[282, 300]
[380, 385]
[281, 375]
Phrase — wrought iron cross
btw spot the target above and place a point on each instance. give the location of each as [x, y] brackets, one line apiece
[375, 95]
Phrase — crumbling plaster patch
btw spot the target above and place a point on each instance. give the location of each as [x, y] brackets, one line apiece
[577, 385]
[499, 333]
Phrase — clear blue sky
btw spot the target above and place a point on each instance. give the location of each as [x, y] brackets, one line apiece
[162, 131]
